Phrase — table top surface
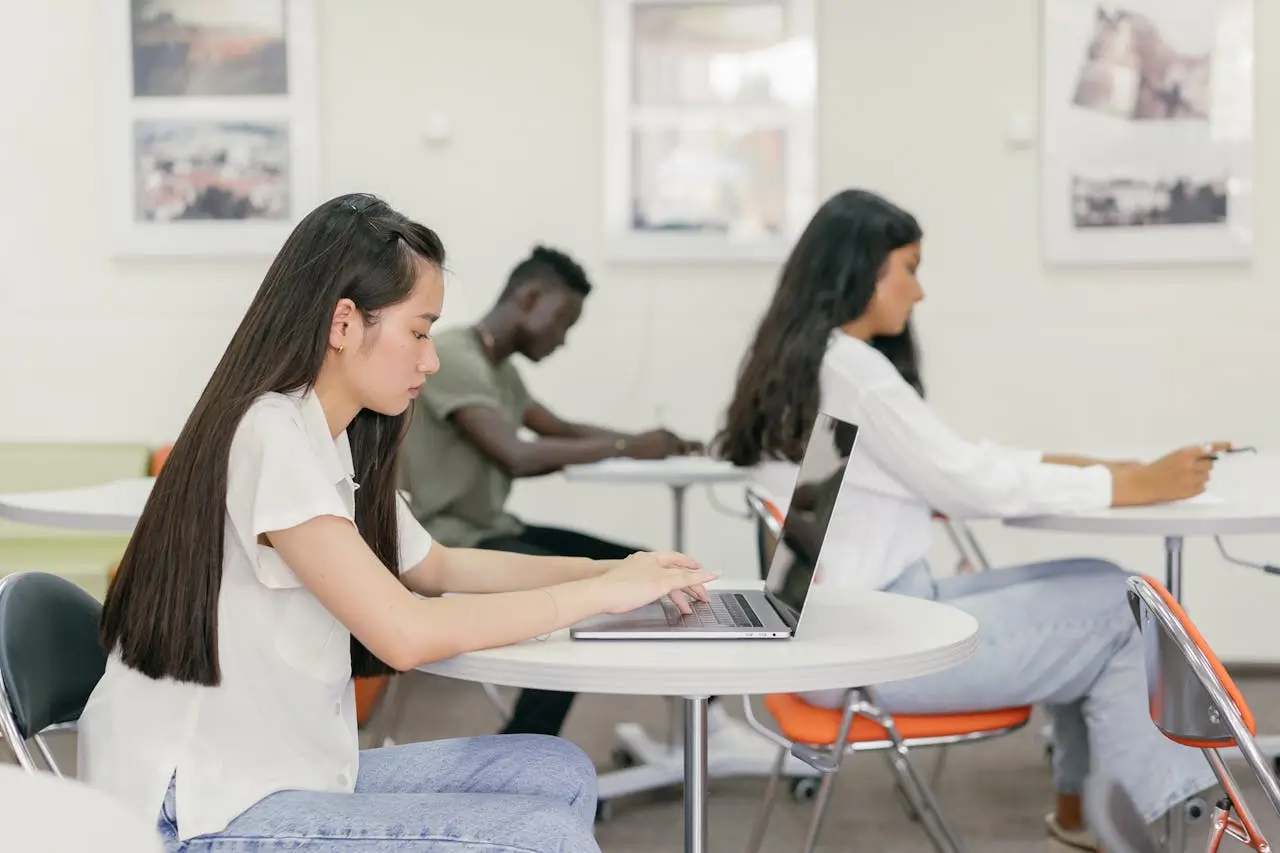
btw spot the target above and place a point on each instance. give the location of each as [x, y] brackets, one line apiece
[673, 471]
[1243, 497]
[846, 638]
[46, 814]
[114, 506]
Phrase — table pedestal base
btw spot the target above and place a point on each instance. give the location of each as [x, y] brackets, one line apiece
[658, 766]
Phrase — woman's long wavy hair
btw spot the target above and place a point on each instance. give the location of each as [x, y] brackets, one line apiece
[161, 612]
[827, 281]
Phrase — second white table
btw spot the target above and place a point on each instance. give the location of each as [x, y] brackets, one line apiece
[677, 473]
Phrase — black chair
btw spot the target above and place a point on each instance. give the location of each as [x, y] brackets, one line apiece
[50, 659]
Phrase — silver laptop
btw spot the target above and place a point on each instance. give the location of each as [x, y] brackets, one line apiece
[734, 614]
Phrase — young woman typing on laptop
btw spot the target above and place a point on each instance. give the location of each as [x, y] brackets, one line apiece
[837, 336]
[274, 561]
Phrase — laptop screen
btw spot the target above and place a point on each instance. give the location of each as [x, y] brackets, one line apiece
[809, 514]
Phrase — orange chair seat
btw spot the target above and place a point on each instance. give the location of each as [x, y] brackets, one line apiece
[801, 722]
[368, 691]
[159, 456]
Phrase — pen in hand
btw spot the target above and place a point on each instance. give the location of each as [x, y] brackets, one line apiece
[1233, 449]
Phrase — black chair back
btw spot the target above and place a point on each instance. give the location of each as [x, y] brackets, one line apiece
[50, 654]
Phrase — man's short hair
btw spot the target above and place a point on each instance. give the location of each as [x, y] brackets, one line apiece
[545, 264]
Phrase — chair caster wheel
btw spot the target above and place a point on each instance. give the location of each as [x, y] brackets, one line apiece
[622, 757]
[804, 789]
[604, 811]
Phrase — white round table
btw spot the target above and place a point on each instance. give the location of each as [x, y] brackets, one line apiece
[677, 473]
[1243, 498]
[114, 506]
[845, 639]
[43, 813]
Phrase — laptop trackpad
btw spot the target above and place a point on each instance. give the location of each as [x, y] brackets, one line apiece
[649, 616]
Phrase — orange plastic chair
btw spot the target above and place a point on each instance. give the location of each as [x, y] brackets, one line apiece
[158, 457]
[822, 737]
[1194, 701]
[368, 690]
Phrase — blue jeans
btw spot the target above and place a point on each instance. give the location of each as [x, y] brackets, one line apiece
[1058, 634]
[497, 794]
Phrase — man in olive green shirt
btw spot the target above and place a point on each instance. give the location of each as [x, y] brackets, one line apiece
[464, 448]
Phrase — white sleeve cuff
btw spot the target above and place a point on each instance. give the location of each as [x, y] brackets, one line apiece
[415, 541]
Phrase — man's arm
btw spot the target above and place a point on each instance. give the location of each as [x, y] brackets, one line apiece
[498, 440]
[548, 424]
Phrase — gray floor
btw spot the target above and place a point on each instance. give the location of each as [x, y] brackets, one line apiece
[995, 793]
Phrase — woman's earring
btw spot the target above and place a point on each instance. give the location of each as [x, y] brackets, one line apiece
[341, 347]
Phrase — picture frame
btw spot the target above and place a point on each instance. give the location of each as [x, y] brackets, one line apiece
[1147, 139]
[211, 122]
[709, 150]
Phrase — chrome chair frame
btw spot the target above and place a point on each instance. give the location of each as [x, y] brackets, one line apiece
[826, 758]
[1189, 702]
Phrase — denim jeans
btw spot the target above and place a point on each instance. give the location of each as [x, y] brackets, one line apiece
[497, 794]
[1058, 634]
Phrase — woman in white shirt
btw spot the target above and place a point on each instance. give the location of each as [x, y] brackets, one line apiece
[836, 336]
[259, 581]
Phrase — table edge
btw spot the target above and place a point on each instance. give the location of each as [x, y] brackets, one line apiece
[644, 681]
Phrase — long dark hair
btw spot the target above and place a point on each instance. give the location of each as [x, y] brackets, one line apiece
[161, 610]
[827, 281]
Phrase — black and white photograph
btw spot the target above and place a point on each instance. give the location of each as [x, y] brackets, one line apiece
[1138, 203]
[1147, 141]
[189, 48]
[211, 170]
[1132, 71]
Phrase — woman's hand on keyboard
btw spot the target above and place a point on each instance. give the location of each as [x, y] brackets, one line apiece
[645, 577]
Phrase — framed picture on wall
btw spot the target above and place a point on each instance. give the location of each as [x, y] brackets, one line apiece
[1147, 142]
[708, 127]
[211, 124]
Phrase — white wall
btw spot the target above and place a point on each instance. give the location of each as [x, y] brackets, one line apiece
[915, 103]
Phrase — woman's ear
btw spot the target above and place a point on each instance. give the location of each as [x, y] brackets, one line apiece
[344, 314]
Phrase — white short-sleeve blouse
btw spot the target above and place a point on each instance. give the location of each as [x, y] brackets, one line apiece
[283, 716]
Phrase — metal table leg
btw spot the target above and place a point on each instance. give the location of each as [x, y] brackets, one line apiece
[677, 520]
[695, 774]
[1173, 566]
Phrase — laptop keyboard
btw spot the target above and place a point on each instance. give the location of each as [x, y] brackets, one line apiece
[723, 611]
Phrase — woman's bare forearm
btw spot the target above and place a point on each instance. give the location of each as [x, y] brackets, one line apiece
[479, 570]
